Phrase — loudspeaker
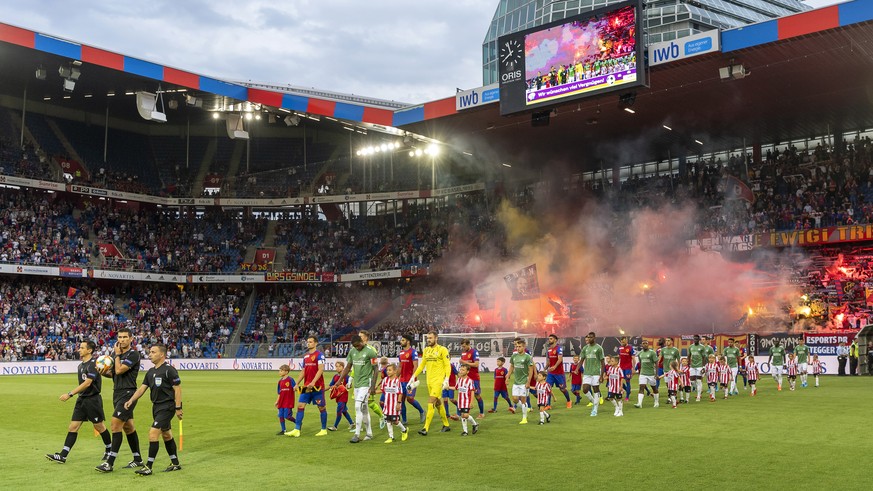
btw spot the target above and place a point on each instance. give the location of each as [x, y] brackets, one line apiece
[541, 118]
[235, 128]
[146, 103]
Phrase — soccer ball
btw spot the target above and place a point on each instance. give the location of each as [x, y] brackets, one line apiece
[104, 363]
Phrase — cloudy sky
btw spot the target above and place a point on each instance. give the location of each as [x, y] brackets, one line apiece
[411, 51]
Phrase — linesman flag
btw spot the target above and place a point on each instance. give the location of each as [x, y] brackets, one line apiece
[524, 283]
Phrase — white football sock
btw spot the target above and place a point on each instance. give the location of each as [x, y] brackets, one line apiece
[390, 430]
[640, 399]
[657, 398]
[464, 424]
[359, 421]
[542, 416]
[524, 410]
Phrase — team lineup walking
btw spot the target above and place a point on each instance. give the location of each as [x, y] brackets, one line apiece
[525, 388]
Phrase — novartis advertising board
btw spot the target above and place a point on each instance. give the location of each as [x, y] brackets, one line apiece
[273, 364]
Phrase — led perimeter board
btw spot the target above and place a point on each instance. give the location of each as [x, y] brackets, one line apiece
[580, 56]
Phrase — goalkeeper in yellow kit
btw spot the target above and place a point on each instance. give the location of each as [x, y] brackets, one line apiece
[435, 361]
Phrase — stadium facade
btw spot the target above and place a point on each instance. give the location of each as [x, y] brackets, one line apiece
[666, 20]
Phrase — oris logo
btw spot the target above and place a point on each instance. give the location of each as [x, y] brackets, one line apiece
[510, 76]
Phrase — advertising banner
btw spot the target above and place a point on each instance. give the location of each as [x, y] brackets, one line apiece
[825, 343]
[685, 47]
[487, 364]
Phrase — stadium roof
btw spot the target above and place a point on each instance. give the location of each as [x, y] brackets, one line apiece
[810, 75]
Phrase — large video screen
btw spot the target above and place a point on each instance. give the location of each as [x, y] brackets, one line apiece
[576, 57]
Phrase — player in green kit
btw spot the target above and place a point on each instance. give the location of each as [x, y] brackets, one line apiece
[592, 359]
[648, 362]
[668, 354]
[801, 352]
[698, 356]
[732, 355]
[776, 360]
[521, 366]
[362, 358]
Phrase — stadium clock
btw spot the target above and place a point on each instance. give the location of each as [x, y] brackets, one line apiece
[510, 53]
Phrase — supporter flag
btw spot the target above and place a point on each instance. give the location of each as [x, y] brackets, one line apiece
[523, 283]
[485, 297]
[868, 294]
[734, 188]
[742, 320]
[71, 292]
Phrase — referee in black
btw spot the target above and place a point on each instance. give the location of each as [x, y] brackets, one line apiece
[89, 405]
[124, 372]
[166, 394]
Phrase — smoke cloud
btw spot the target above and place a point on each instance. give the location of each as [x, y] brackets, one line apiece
[622, 272]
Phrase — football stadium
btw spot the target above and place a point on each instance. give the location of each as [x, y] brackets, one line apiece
[663, 209]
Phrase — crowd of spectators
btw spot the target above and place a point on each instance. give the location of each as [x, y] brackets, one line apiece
[47, 319]
[213, 242]
[38, 229]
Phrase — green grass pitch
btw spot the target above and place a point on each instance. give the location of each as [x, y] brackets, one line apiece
[809, 439]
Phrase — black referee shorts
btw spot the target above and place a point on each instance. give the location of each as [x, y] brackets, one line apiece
[119, 397]
[163, 416]
[89, 409]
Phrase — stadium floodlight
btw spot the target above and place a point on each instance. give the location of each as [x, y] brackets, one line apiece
[215, 115]
[193, 101]
[412, 153]
[698, 142]
[384, 147]
[418, 152]
[69, 85]
[667, 127]
[248, 116]
[292, 120]
[733, 72]
[630, 110]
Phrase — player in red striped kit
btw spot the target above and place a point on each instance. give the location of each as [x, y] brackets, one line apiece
[576, 379]
[408, 360]
[555, 359]
[674, 380]
[285, 397]
[391, 407]
[626, 363]
[544, 396]
[752, 374]
[792, 370]
[711, 370]
[470, 359]
[724, 375]
[466, 388]
[500, 389]
[615, 378]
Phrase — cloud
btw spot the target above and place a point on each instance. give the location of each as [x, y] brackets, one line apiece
[407, 51]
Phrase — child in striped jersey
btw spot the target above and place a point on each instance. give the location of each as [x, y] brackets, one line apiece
[711, 370]
[674, 381]
[724, 374]
[544, 393]
[816, 368]
[615, 377]
[466, 392]
[752, 373]
[685, 381]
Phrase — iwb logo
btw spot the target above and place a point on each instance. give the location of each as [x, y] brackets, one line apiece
[669, 52]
